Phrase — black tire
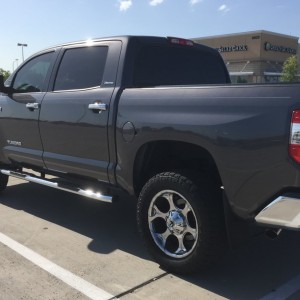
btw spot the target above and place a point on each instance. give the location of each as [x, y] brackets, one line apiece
[188, 235]
[3, 182]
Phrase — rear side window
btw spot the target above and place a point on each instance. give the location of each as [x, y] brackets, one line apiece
[156, 65]
[81, 68]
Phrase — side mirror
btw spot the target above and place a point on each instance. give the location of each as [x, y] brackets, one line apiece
[3, 88]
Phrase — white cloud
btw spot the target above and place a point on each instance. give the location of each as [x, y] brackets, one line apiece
[124, 4]
[156, 2]
[193, 2]
[224, 8]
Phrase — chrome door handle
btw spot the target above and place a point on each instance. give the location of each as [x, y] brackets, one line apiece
[33, 106]
[98, 106]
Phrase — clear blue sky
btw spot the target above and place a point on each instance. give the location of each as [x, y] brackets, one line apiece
[44, 23]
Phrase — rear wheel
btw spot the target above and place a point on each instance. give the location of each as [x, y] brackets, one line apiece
[181, 221]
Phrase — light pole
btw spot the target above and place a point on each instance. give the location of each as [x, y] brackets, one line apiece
[15, 61]
[22, 45]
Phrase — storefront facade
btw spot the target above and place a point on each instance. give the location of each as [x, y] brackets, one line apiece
[253, 57]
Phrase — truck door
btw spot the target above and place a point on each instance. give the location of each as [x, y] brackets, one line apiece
[74, 115]
[19, 111]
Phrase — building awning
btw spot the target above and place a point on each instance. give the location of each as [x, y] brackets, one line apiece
[272, 74]
[241, 73]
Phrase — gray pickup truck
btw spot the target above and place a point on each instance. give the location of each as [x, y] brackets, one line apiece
[157, 118]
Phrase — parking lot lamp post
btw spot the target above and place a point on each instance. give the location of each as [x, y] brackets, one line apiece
[15, 61]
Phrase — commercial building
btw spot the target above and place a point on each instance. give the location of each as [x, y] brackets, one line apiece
[254, 57]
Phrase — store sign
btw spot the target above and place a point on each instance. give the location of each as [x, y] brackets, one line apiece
[234, 48]
[275, 48]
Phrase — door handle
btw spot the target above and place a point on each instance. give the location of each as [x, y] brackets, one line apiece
[33, 106]
[98, 107]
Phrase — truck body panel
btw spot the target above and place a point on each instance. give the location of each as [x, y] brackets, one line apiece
[244, 128]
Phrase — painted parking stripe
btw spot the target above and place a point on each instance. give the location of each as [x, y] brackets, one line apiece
[284, 291]
[86, 288]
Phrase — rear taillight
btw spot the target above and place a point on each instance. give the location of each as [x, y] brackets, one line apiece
[294, 146]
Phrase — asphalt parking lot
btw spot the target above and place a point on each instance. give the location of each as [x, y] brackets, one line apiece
[55, 245]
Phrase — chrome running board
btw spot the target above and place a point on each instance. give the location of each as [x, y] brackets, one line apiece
[59, 186]
[283, 212]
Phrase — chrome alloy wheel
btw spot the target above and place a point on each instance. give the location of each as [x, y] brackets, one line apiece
[172, 223]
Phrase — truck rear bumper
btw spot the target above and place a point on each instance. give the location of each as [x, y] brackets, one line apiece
[283, 212]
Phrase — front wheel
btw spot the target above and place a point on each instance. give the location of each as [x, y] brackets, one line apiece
[180, 218]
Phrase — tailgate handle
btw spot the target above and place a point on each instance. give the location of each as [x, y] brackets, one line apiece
[98, 106]
[33, 106]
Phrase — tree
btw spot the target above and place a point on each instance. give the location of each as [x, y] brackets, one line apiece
[290, 69]
[5, 73]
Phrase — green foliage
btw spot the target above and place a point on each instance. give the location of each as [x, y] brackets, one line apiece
[290, 69]
[5, 73]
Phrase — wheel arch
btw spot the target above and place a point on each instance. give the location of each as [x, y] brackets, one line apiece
[160, 156]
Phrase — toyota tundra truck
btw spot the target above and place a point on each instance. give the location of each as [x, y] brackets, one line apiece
[157, 118]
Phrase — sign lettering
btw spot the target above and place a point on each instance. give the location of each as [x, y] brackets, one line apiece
[275, 48]
[233, 48]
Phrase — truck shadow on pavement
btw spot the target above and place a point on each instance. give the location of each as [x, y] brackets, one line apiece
[254, 270]
[111, 226]
[249, 272]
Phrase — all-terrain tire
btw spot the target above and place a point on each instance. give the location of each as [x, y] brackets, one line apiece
[181, 221]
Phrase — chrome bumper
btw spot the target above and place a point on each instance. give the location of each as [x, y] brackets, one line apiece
[283, 212]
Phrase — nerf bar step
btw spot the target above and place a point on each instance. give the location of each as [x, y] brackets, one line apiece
[59, 186]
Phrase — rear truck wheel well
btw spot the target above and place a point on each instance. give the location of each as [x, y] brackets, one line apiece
[165, 156]
[156, 157]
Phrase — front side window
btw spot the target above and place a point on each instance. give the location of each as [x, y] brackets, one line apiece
[81, 68]
[31, 77]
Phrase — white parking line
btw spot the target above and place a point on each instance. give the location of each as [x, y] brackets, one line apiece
[86, 288]
[284, 291]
